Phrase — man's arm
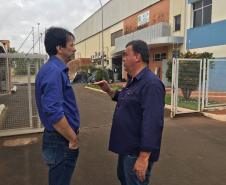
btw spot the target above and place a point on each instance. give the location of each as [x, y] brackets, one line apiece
[52, 104]
[152, 101]
[63, 127]
[106, 88]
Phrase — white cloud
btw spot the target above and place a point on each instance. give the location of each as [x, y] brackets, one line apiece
[17, 17]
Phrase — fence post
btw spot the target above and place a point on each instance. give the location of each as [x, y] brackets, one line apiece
[200, 86]
[29, 93]
[203, 85]
[173, 88]
[172, 91]
[177, 65]
[38, 64]
[8, 86]
[207, 82]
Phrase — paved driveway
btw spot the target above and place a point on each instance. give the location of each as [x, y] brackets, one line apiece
[193, 150]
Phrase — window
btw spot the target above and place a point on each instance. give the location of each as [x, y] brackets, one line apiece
[177, 22]
[159, 56]
[202, 12]
[114, 36]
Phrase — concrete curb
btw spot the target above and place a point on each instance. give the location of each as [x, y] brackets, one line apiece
[215, 116]
[206, 114]
[180, 109]
[97, 90]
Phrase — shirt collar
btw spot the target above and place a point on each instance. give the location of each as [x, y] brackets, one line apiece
[59, 63]
[140, 75]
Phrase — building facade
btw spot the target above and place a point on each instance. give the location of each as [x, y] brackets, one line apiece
[206, 27]
[169, 27]
[147, 20]
[202, 23]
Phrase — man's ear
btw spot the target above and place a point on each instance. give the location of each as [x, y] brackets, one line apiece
[58, 48]
[138, 57]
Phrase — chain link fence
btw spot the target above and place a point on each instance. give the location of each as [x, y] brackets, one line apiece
[18, 113]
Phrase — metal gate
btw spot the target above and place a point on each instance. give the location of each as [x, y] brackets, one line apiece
[18, 113]
[197, 85]
[214, 86]
[186, 86]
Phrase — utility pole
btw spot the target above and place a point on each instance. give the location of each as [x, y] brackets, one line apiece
[102, 35]
[41, 40]
[38, 38]
[33, 39]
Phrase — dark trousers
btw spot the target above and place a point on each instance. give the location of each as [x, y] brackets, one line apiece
[127, 175]
[60, 159]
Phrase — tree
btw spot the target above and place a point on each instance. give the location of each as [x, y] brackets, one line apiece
[102, 74]
[189, 72]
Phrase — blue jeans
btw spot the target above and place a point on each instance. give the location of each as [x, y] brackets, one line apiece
[60, 159]
[127, 175]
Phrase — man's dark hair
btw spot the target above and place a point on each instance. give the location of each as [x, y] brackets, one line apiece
[56, 36]
[140, 47]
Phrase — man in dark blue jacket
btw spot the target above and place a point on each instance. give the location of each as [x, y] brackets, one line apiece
[138, 118]
[57, 107]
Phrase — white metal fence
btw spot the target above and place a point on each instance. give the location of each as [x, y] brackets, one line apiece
[197, 85]
[214, 85]
[18, 113]
[186, 85]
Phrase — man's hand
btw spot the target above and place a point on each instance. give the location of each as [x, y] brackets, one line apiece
[141, 165]
[73, 144]
[105, 87]
[63, 128]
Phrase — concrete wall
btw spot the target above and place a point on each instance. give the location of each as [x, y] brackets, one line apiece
[178, 7]
[218, 10]
[218, 51]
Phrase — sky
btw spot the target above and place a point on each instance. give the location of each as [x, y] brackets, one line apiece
[17, 17]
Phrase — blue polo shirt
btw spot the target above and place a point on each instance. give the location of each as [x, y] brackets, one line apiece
[139, 116]
[54, 95]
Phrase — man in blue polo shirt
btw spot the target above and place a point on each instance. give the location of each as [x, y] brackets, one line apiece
[138, 118]
[57, 107]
